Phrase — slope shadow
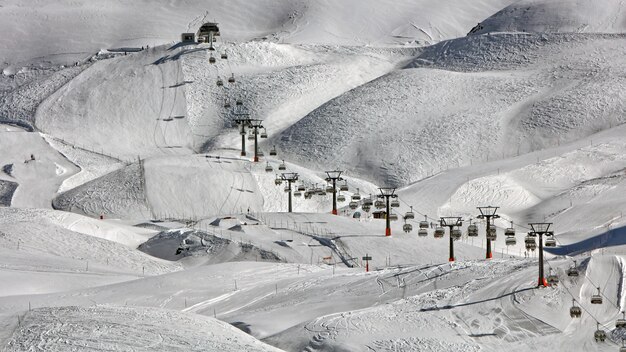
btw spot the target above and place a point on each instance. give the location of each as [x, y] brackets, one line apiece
[177, 56]
[242, 326]
[180, 84]
[614, 237]
[180, 45]
[452, 306]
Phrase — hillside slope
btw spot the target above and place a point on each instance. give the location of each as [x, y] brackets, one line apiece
[548, 16]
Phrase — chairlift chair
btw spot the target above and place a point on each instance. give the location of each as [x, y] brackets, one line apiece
[287, 188]
[211, 59]
[278, 181]
[330, 189]
[224, 56]
[409, 214]
[621, 322]
[226, 104]
[379, 204]
[575, 311]
[263, 133]
[301, 187]
[219, 82]
[356, 196]
[407, 228]
[251, 135]
[393, 217]
[492, 234]
[573, 271]
[269, 168]
[550, 242]
[321, 191]
[597, 298]
[353, 205]
[238, 102]
[510, 231]
[455, 233]
[424, 223]
[341, 198]
[368, 201]
[422, 232]
[395, 203]
[530, 243]
[510, 241]
[260, 153]
[366, 208]
[231, 79]
[599, 335]
[439, 232]
[282, 166]
[297, 193]
[472, 230]
[344, 187]
[273, 151]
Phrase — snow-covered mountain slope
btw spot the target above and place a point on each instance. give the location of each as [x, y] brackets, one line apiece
[466, 99]
[68, 31]
[194, 187]
[528, 117]
[125, 328]
[121, 233]
[315, 74]
[598, 16]
[37, 180]
[125, 104]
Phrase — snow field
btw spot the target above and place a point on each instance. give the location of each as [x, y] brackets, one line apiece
[126, 328]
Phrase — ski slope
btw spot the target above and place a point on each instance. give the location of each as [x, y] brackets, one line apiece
[603, 16]
[55, 329]
[139, 226]
[74, 31]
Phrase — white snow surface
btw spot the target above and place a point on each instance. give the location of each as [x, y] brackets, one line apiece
[139, 226]
[577, 16]
[68, 31]
[125, 328]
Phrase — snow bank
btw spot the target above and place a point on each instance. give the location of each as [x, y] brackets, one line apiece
[122, 328]
[598, 16]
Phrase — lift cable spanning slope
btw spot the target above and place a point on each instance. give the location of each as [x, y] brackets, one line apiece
[574, 299]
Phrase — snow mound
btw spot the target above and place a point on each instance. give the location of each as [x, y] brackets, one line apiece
[107, 328]
[204, 247]
[118, 194]
[598, 16]
[111, 231]
[277, 83]
[39, 179]
[473, 98]
[132, 99]
[41, 258]
[92, 164]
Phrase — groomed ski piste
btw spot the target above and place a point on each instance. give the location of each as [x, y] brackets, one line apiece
[130, 221]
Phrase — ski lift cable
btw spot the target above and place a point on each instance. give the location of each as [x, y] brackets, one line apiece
[594, 285]
[580, 303]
